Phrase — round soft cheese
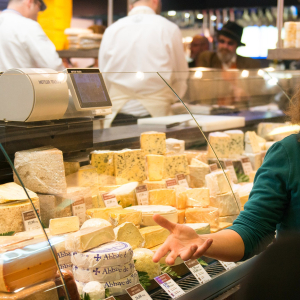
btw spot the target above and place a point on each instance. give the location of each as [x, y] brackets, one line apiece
[103, 274]
[109, 254]
[95, 290]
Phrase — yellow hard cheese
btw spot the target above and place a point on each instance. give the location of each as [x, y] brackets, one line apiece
[198, 197]
[63, 225]
[153, 142]
[102, 213]
[203, 215]
[181, 216]
[155, 185]
[118, 217]
[162, 197]
[155, 167]
[154, 235]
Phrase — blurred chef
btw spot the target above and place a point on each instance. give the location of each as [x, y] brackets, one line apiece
[143, 42]
[23, 43]
[199, 44]
[229, 39]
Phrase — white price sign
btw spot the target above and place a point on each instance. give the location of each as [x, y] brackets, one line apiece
[109, 200]
[198, 271]
[247, 167]
[228, 265]
[137, 292]
[181, 180]
[171, 183]
[230, 168]
[169, 285]
[30, 221]
[79, 209]
[142, 195]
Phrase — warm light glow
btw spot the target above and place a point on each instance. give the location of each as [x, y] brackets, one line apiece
[213, 18]
[172, 13]
[285, 129]
[245, 73]
[200, 16]
[198, 74]
[186, 15]
[188, 39]
[260, 72]
[273, 81]
[140, 75]
[270, 69]
[61, 77]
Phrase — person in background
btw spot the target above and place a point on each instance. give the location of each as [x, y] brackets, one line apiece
[143, 43]
[23, 43]
[199, 44]
[229, 39]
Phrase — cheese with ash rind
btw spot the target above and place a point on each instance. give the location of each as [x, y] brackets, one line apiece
[168, 212]
[255, 160]
[63, 225]
[154, 235]
[251, 142]
[228, 204]
[106, 255]
[236, 145]
[127, 232]
[200, 228]
[143, 259]
[197, 197]
[221, 144]
[155, 185]
[118, 217]
[162, 197]
[176, 146]
[203, 215]
[88, 238]
[174, 165]
[95, 222]
[153, 142]
[129, 166]
[155, 166]
[94, 289]
[87, 176]
[102, 213]
[103, 274]
[103, 161]
[41, 170]
[217, 182]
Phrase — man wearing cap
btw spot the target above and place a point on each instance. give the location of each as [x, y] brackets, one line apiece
[23, 43]
[229, 38]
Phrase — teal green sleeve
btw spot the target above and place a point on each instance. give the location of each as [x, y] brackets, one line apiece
[267, 202]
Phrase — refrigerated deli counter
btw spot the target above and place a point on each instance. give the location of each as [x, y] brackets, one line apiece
[77, 193]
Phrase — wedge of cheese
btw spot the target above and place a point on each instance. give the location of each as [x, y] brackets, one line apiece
[197, 197]
[251, 142]
[155, 167]
[87, 176]
[200, 228]
[162, 197]
[228, 204]
[198, 173]
[181, 216]
[255, 160]
[203, 215]
[217, 182]
[220, 142]
[181, 196]
[63, 225]
[175, 146]
[153, 142]
[236, 146]
[199, 155]
[155, 185]
[71, 167]
[95, 222]
[102, 213]
[174, 165]
[154, 235]
[118, 217]
[88, 238]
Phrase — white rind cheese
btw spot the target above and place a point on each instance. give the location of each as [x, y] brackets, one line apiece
[217, 182]
[236, 146]
[95, 222]
[198, 173]
[227, 204]
[221, 144]
[95, 290]
[176, 146]
[110, 254]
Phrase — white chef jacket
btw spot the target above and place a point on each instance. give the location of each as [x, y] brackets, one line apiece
[24, 44]
[143, 43]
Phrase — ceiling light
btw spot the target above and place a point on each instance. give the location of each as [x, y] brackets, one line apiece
[172, 13]
[213, 18]
[200, 16]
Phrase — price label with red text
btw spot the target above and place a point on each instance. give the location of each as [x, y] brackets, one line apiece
[169, 285]
[109, 200]
[181, 180]
[171, 183]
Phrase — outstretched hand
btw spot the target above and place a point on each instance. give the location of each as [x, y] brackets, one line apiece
[183, 241]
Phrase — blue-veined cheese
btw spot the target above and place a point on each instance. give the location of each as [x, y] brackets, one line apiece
[129, 166]
[174, 165]
[153, 142]
[103, 274]
[236, 145]
[109, 254]
[87, 176]
[220, 143]
[155, 167]
[251, 142]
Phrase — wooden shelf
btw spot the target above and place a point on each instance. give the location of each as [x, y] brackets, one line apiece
[79, 53]
[284, 54]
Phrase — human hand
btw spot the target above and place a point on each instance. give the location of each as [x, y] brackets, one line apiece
[183, 241]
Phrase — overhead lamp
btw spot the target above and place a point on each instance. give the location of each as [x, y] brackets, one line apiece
[198, 74]
[186, 15]
[213, 18]
[200, 16]
[245, 73]
[171, 13]
[260, 72]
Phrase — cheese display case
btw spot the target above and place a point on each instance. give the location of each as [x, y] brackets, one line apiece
[78, 196]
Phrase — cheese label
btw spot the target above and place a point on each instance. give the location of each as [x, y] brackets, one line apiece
[79, 209]
[137, 292]
[230, 168]
[30, 221]
[181, 180]
[227, 265]
[171, 183]
[109, 200]
[213, 167]
[142, 195]
[169, 285]
[247, 167]
[198, 271]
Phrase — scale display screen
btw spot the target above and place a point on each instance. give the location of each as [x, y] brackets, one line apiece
[90, 88]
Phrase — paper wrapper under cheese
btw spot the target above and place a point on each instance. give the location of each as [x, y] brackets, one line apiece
[203, 215]
[103, 274]
[89, 238]
[110, 254]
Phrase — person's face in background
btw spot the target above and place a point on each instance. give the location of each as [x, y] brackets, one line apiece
[33, 9]
[198, 45]
[226, 48]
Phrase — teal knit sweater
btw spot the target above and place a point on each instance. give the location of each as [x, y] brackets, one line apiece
[274, 202]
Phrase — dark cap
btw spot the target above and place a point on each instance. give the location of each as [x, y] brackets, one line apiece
[43, 5]
[232, 31]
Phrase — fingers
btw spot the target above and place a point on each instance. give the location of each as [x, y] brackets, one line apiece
[164, 222]
[170, 259]
[189, 252]
[202, 249]
[161, 252]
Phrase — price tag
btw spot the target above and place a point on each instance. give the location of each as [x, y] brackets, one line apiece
[181, 180]
[79, 209]
[263, 154]
[30, 221]
[198, 271]
[142, 195]
[137, 292]
[111, 298]
[247, 167]
[171, 183]
[213, 167]
[230, 168]
[109, 200]
[228, 265]
[169, 285]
